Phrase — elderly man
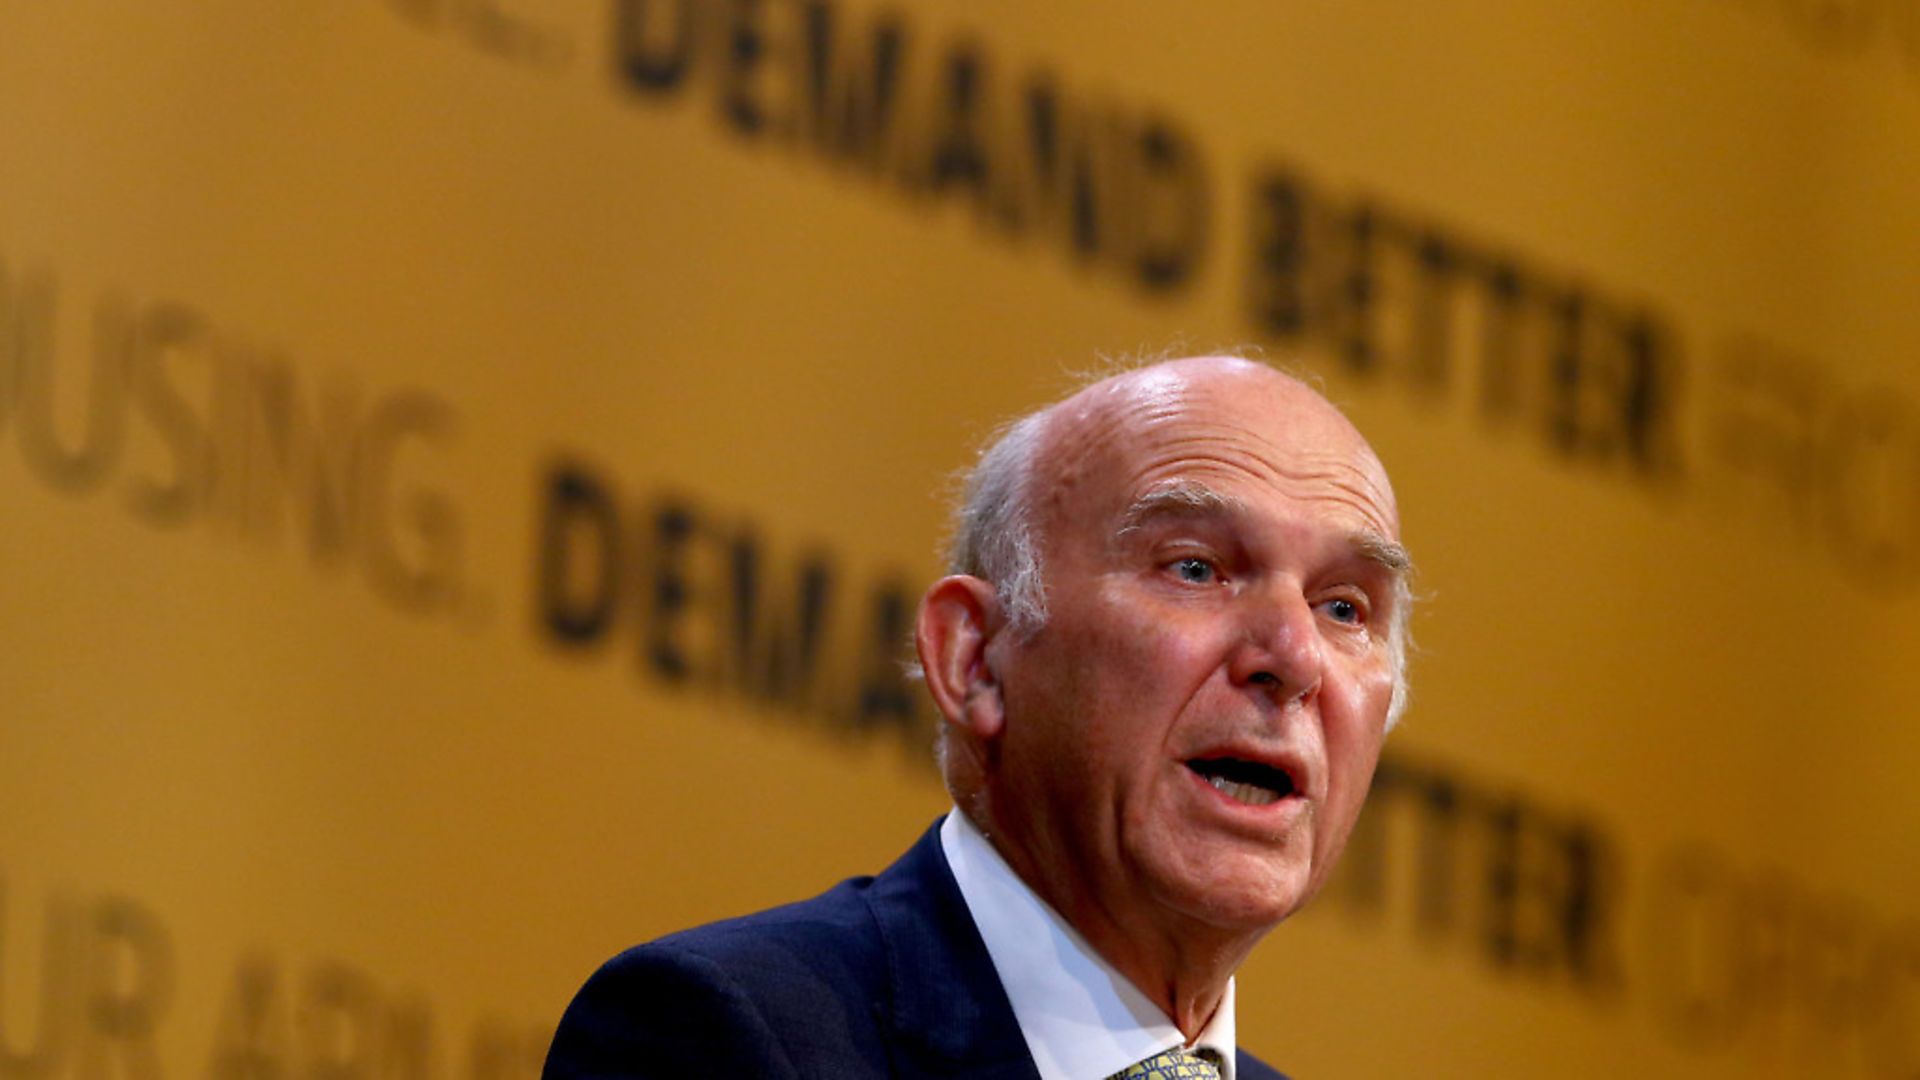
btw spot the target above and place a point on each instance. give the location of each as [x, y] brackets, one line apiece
[1172, 643]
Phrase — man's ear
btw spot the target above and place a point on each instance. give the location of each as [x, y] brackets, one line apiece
[959, 617]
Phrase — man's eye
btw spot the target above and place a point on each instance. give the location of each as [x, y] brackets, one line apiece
[1197, 571]
[1345, 611]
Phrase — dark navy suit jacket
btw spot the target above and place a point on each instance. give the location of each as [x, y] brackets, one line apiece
[878, 977]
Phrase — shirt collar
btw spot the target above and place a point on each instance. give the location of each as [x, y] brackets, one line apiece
[1082, 1019]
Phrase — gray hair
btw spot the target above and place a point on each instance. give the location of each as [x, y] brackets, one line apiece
[995, 539]
[993, 530]
[1399, 643]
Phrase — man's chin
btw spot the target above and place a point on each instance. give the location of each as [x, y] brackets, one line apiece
[1251, 901]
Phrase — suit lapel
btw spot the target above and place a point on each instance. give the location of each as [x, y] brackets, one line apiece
[950, 1016]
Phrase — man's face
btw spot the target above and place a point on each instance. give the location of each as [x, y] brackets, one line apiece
[1192, 732]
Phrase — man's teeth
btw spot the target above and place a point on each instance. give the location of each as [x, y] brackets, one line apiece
[1252, 794]
[1248, 782]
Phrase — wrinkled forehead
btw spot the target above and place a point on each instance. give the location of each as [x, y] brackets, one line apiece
[1234, 426]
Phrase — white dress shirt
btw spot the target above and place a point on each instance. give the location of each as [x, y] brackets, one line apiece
[1082, 1019]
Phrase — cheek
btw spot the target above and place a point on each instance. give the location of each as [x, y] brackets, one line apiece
[1355, 729]
[1363, 689]
[1354, 739]
[1113, 696]
[1133, 651]
[1351, 763]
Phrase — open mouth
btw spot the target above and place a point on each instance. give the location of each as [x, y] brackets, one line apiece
[1244, 781]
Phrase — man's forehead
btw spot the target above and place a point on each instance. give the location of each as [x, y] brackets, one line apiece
[1152, 429]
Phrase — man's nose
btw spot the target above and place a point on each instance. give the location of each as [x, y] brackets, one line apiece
[1282, 651]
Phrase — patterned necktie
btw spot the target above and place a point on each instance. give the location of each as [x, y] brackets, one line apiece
[1178, 1063]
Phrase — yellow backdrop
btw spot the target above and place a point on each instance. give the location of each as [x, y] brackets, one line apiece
[466, 466]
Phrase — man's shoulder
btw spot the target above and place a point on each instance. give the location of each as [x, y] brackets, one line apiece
[834, 931]
[788, 992]
[844, 931]
[807, 989]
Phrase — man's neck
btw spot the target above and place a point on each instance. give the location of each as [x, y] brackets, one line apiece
[1080, 1015]
[1183, 971]
[1182, 966]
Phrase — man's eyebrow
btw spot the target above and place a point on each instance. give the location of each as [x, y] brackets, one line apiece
[1186, 498]
[1378, 549]
[1182, 498]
